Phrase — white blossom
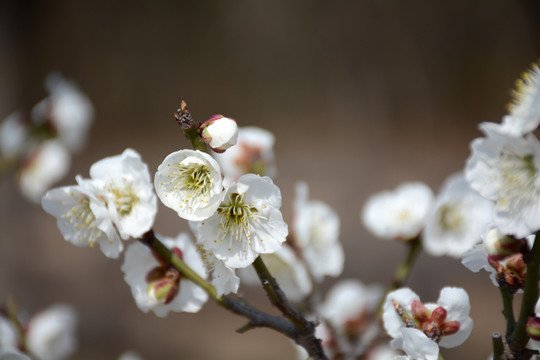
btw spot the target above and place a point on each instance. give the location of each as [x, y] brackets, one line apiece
[350, 308]
[524, 115]
[504, 169]
[123, 181]
[189, 182]
[219, 132]
[13, 355]
[316, 230]
[419, 328]
[224, 278]
[457, 220]
[68, 109]
[13, 135]
[253, 153]
[147, 277]
[82, 218]
[399, 214]
[288, 271]
[247, 223]
[8, 336]
[47, 164]
[51, 333]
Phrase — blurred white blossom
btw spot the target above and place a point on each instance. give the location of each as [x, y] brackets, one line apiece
[51, 333]
[46, 165]
[398, 214]
[68, 110]
[457, 220]
[316, 230]
[253, 153]
[524, 115]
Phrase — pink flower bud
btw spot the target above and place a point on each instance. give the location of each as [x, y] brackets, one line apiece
[219, 132]
[439, 315]
[419, 312]
[450, 327]
[533, 328]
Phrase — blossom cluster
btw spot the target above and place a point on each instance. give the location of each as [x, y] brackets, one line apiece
[39, 143]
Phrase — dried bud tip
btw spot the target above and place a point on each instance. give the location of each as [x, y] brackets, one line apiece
[183, 116]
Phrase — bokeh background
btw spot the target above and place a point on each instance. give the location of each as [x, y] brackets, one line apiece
[361, 95]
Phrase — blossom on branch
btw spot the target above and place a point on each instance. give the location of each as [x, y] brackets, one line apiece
[123, 182]
[224, 278]
[398, 214]
[419, 329]
[247, 223]
[316, 232]
[457, 220]
[189, 182]
[82, 218]
[504, 169]
[156, 285]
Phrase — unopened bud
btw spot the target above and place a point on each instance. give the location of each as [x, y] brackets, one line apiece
[533, 328]
[450, 327]
[419, 312]
[439, 315]
[500, 244]
[163, 290]
[219, 132]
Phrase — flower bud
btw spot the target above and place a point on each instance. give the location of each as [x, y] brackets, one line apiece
[533, 328]
[163, 290]
[499, 244]
[219, 132]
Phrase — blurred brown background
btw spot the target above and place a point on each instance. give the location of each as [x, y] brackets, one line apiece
[361, 96]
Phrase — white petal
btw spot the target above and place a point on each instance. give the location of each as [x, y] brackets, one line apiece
[417, 345]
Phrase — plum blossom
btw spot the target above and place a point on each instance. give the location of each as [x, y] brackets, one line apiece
[399, 214]
[67, 109]
[123, 182]
[47, 164]
[156, 285]
[288, 271]
[457, 220]
[13, 134]
[8, 335]
[419, 329]
[130, 355]
[219, 132]
[82, 218]
[316, 230]
[350, 309]
[524, 115]
[189, 182]
[253, 153]
[51, 333]
[504, 169]
[247, 223]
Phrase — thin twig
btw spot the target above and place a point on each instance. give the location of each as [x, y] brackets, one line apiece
[302, 334]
